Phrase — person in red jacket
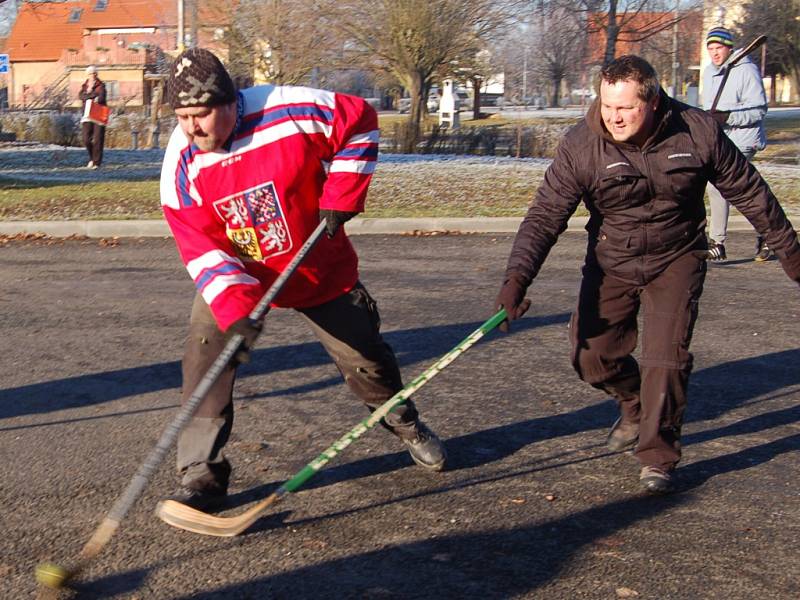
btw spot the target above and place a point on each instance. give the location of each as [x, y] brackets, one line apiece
[247, 176]
[94, 133]
[640, 161]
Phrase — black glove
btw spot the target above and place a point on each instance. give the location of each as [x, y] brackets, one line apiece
[334, 219]
[512, 298]
[720, 116]
[250, 330]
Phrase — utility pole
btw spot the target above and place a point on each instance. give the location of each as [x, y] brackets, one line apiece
[525, 77]
[195, 26]
[180, 35]
[675, 63]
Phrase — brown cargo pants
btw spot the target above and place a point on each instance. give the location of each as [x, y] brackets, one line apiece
[604, 332]
[348, 328]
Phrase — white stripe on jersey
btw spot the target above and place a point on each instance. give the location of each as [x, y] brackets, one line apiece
[262, 137]
[169, 172]
[370, 137]
[210, 259]
[353, 166]
[222, 282]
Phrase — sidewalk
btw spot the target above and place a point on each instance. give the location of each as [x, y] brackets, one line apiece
[359, 226]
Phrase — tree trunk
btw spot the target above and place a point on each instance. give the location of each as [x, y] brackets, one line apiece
[772, 91]
[556, 92]
[476, 97]
[409, 145]
[612, 31]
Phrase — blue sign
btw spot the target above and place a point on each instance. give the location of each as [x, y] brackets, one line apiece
[3, 63]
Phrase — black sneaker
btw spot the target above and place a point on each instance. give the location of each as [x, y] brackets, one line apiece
[656, 480]
[716, 251]
[426, 448]
[763, 253]
[207, 500]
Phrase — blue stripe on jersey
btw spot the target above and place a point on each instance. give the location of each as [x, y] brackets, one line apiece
[187, 155]
[209, 274]
[322, 113]
[362, 152]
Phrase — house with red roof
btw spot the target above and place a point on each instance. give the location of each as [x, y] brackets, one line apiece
[52, 43]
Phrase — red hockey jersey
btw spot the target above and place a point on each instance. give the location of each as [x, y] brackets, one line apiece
[239, 215]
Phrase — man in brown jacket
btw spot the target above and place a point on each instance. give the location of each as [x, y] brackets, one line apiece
[640, 161]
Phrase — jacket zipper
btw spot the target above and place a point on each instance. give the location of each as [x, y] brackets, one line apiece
[652, 193]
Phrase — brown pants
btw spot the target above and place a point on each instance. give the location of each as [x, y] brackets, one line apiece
[94, 136]
[349, 329]
[604, 331]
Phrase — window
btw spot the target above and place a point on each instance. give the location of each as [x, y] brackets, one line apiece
[101, 5]
[112, 90]
[75, 15]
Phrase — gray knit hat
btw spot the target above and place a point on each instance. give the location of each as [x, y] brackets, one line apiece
[198, 78]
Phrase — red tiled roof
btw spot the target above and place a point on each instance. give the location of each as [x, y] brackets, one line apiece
[43, 30]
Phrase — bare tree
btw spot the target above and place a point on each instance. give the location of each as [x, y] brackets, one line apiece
[558, 42]
[280, 41]
[631, 21]
[416, 40]
[474, 68]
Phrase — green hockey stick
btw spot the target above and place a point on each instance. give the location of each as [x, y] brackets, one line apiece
[184, 517]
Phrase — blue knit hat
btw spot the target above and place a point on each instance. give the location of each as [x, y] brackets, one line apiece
[720, 35]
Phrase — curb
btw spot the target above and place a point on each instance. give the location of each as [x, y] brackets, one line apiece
[359, 226]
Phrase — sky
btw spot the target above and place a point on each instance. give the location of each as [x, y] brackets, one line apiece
[8, 9]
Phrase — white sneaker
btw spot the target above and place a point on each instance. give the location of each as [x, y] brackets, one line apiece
[90, 165]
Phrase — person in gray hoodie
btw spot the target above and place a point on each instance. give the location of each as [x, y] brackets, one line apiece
[741, 109]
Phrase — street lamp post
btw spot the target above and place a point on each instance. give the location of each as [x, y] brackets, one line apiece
[525, 77]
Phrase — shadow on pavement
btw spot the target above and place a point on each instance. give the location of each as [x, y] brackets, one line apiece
[495, 563]
[411, 346]
[716, 390]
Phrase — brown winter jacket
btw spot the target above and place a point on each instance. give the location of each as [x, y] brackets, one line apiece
[97, 92]
[646, 204]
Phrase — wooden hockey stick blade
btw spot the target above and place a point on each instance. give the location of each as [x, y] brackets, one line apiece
[755, 44]
[185, 517]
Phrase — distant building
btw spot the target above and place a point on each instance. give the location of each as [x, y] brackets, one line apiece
[51, 44]
[650, 35]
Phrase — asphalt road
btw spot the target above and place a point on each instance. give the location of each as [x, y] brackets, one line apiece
[532, 505]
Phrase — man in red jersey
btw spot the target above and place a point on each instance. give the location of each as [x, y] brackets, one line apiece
[247, 176]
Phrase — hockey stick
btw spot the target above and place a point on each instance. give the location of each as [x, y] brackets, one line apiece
[182, 516]
[55, 576]
[756, 43]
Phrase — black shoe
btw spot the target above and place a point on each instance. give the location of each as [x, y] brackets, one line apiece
[623, 435]
[656, 480]
[425, 448]
[763, 253]
[716, 251]
[207, 500]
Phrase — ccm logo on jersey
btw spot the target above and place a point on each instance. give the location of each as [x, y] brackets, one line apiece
[231, 160]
